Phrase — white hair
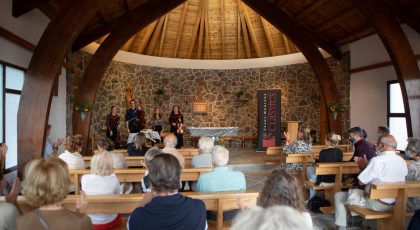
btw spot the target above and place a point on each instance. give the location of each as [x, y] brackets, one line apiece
[205, 144]
[170, 141]
[277, 217]
[220, 155]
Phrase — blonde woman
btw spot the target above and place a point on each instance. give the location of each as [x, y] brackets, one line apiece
[71, 155]
[102, 181]
[330, 154]
[45, 187]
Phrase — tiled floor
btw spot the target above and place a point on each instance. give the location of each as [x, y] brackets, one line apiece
[257, 166]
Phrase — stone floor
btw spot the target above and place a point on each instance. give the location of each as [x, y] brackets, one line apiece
[257, 166]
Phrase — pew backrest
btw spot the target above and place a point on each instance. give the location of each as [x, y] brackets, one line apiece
[135, 161]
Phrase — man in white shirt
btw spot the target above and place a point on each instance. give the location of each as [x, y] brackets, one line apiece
[386, 167]
[170, 142]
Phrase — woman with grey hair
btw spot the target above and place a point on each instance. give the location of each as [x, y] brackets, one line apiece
[413, 152]
[204, 159]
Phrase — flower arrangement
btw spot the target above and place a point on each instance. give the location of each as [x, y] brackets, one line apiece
[336, 107]
[82, 107]
[160, 91]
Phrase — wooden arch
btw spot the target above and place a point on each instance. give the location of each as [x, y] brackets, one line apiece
[402, 57]
[46, 62]
[140, 18]
[294, 31]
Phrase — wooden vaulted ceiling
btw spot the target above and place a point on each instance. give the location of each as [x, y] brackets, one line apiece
[229, 29]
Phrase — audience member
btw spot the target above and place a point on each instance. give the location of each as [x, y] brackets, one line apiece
[118, 159]
[281, 188]
[204, 159]
[170, 142]
[164, 207]
[148, 157]
[51, 147]
[303, 144]
[139, 146]
[102, 181]
[329, 154]
[413, 151]
[362, 148]
[45, 187]
[386, 167]
[278, 217]
[71, 155]
[382, 131]
[222, 178]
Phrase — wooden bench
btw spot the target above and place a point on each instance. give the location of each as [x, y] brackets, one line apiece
[337, 169]
[126, 203]
[394, 219]
[247, 138]
[183, 151]
[135, 161]
[135, 175]
[305, 158]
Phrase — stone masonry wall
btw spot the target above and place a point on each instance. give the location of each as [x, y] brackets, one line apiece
[300, 93]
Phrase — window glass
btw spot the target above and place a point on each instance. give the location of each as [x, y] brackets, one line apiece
[398, 128]
[14, 78]
[12, 105]
[396, 104]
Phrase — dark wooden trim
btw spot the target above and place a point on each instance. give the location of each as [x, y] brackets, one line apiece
[140, 18]
[16, 39]
[405, 14]
[47, 59]
[9, 170]
[375, 66]
[21, 7]
[302, 40]
[402, 57]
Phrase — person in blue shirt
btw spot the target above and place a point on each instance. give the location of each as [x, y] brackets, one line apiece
[222, 178]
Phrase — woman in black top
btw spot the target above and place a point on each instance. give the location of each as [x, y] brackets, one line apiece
[329, 154]
[176, 120]
[139, 147]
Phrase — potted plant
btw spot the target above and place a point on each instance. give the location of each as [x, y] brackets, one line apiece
[160, 91]
[83, 107]
[239, 94]
[336, 107]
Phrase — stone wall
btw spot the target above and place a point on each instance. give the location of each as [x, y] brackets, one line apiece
[300, 92]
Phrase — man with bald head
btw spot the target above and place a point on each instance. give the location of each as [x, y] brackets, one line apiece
[170, 142]
[386, 167]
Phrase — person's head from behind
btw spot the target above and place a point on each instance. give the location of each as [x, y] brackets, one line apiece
[140, 140]
[413, 148]
[333, 139]
[304, 134]
[164, 173]
[278, 217]
[281, 188]
[105, 144]
[45, 182]
[150, 154]
[73, 144]
[387, 143]
[220, 156]
[355, 134]
[382, 131]
[48, 133]
[205, 144]
[102, 164]
[170, 141]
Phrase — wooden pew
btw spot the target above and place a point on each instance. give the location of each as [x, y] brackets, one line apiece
[135, 175]
[135, 161]
[305, 158]
[126, 203]
[394, 219]
[183, 151]
[337, 169]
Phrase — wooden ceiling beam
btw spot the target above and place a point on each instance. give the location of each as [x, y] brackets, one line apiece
[155, 36]
[207, 44]
[269, 38]
[181, 26]
[302, 40]
[405, 14]
[251, 31]
[21, 7]
[311, 8]
[286, 44]
[148, 33]
[222, 21]
[335, 19]
[203, 7]
[139, 19]
[195, 29]
[245, 32]
[363, 31]
[280, 3]
[16, 39]
[239, 34]
[127, 45]
[402, 57]
[162, 38]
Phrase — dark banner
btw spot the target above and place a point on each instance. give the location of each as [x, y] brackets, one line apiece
[269, 127]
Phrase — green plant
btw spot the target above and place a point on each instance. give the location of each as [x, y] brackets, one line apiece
[82, 106]
[160, 91]
[239, 94]
[336, 107]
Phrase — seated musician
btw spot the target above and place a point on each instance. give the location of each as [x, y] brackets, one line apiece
[386, 167]
[329, 154]
[164, 207]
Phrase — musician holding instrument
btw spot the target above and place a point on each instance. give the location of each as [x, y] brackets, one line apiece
[176, 120]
